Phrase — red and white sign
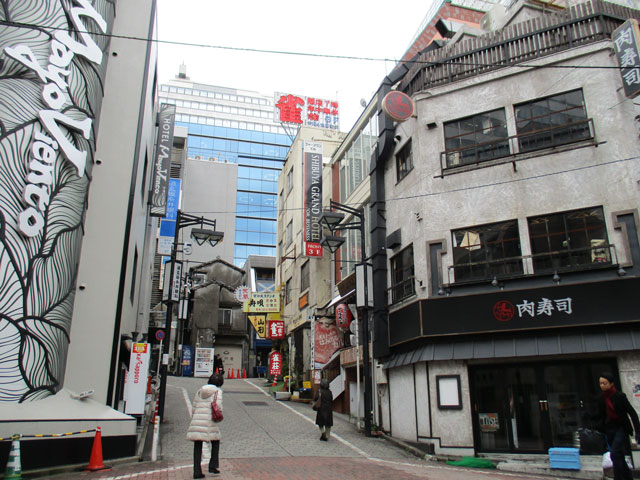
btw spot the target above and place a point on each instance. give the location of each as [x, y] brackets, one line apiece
[343, 316]
[327, 339]
[242, 294]
[275, 363]
[136, 386]
[276, 329]
[309, 111]
[398, 106]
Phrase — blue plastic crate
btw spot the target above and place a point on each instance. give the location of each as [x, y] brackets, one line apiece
[564, 458]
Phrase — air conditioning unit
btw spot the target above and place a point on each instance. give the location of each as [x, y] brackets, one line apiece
[453, 159]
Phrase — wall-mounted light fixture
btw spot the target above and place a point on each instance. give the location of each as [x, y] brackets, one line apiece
[556, 277]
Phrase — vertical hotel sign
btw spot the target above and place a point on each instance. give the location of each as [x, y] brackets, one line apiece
[626, 41]
[52, 73]
[312, 208]
[162, 164]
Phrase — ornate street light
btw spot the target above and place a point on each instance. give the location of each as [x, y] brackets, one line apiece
[333, 220]
[200, 236]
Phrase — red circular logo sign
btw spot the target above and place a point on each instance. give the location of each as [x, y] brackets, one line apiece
[398, 106]
[504, 311]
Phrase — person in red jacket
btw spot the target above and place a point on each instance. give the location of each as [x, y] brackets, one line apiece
[615, 411]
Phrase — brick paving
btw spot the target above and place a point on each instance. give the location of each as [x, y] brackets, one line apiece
[266, 439]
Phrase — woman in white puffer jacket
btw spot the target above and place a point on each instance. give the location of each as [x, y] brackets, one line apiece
[202, 428]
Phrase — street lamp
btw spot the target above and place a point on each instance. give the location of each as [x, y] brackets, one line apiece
[333, 220]
[200, 236]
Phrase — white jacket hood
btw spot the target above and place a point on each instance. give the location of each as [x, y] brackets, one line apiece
[207, 391]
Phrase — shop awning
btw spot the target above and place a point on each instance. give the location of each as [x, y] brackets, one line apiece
[523, 345]
[338, 299]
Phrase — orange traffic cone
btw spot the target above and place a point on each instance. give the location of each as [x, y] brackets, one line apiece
[216, 371]
[238, 376]
[14, 467]
[244, 373]
[231, 373]
[275, 381]
[95, 462]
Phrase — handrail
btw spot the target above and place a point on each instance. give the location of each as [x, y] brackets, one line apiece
[601, 255]
[401, 290]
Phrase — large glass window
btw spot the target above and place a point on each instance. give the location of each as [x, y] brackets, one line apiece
[569, 240]
[404, 161]
[476, 139]
[354, 164]
[402, 275]
[486, 251]
[552, 121]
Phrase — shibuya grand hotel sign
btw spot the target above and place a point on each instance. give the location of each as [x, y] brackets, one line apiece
[51, 87]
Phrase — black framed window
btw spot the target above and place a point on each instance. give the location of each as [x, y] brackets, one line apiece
[287, 292]
[568, 240]
[402, 275]
[304, 276]
[224, 317]
[486, 251]
[552, 121]
[476, 139]
[404, 161]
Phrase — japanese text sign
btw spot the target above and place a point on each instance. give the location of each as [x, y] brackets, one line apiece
[312, 207]
[275, 363]
[259, 322]
[327, 340]
[276, 329]
[309, 111]
[626, 41]
[262, 302]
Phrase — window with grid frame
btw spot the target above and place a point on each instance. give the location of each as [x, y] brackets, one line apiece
[289, 233]
[290, 180]
[404, 161]
[402, 275]
[486, 251]
[224, 317]
[476, 139]
[552, 121]
[304, 276]
[569, 240]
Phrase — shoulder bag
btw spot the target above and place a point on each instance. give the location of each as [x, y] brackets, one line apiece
[316, 403]
[216, 414]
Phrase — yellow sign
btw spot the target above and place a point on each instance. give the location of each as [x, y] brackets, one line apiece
[262, 302]
[259, 322]
[306, 384]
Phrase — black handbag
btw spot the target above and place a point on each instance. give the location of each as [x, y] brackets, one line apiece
[592, 442]
[316, 403]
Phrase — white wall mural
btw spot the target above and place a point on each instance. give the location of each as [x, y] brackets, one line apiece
[52, 66]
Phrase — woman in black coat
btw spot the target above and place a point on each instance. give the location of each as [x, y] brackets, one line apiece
[324, 417]
[615, 411]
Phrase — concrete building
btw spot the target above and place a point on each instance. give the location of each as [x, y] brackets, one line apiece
[77, 152]
[511, 235]
[305, 280]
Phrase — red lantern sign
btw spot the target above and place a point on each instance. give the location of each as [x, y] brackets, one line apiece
[398, 106]
[276, 329]
[275, 363]
[343, 316]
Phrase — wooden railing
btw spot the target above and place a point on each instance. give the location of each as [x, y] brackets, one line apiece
[585, 23]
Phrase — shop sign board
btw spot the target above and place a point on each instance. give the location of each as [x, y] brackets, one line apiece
[262, 302]
[489, 422]
[308, 111]
[164, 147]
[626, 42]
[327, 339]
[312, 199]
[275, 363]
[276, 329]
[137, 379]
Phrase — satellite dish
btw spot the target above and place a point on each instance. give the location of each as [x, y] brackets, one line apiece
[363, 102]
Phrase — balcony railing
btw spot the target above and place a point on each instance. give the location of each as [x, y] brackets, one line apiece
[518, 144]
[582, 24]
[576, 259]
[401, 290]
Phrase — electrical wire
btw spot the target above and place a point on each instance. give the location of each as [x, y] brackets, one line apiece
[309, 54]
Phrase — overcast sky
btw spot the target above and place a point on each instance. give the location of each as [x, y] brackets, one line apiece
[358, 28]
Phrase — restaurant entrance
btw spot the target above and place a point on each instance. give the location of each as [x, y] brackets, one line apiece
[531, 407]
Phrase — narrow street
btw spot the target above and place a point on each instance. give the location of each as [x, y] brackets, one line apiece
[266, 439]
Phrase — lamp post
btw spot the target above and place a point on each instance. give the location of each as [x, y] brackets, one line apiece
[200, 236]
[333, 220]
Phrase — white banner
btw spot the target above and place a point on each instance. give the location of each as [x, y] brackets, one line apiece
[135, 390]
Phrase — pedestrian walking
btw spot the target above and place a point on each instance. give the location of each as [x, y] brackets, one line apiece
[218, 366]
[614, 413]
[202, 427]
[324, 417]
